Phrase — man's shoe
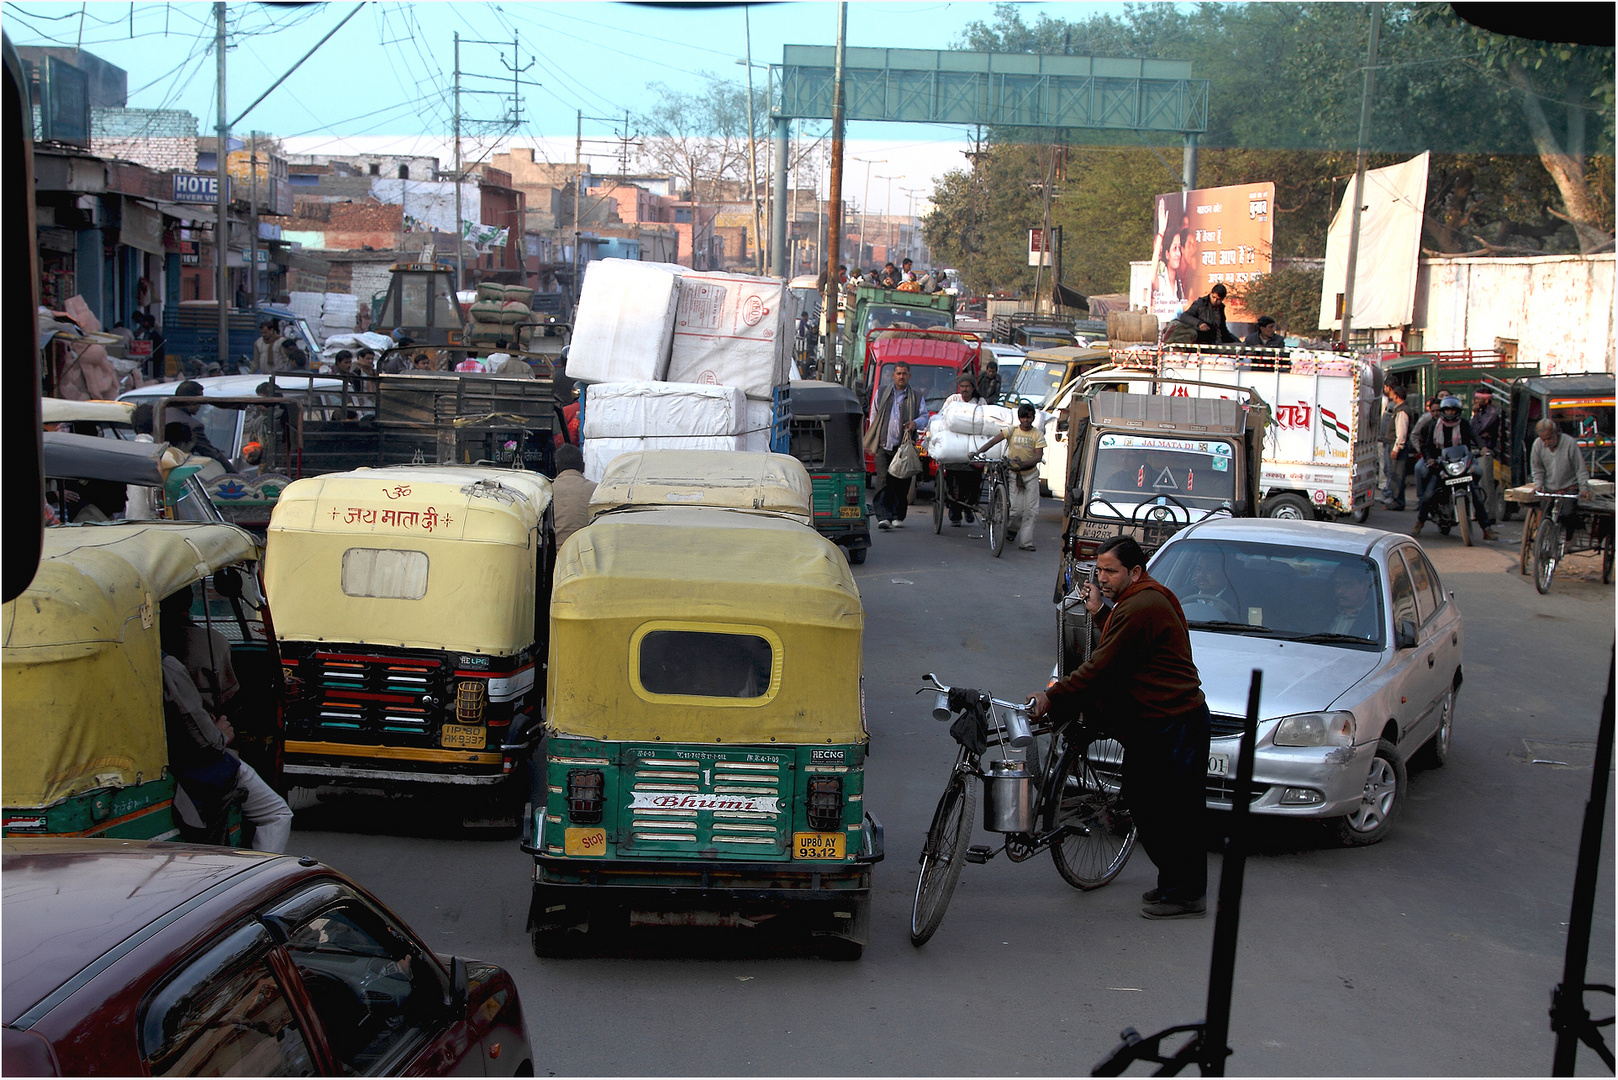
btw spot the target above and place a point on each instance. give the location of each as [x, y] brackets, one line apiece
[1488, 532]
[897, 523]
[883, 524]
[1026, 547]
[1175, 909]
[1417, 530]
[1152, 896]
[955, 523]
[971, 519]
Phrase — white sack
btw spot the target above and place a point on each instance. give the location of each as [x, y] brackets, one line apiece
[729, 331]
[965, 418]
[756, 429]
[598, 453]
[638, 409]
[955, 448]
[624, 322]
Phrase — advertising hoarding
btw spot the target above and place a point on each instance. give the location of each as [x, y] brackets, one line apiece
[1206, 237]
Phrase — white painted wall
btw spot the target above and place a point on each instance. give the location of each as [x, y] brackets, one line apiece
[429, 202]
[1557, 308]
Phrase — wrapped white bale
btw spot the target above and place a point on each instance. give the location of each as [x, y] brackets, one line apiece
[729, 331]
[599, 453]
[955, 448]
[633, 410]
[624, 323]
[756, 429]
[966, 418]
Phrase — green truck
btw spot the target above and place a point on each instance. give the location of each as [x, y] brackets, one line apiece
[876, 309]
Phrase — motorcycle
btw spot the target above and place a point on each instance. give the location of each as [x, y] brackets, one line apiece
[1452, 504]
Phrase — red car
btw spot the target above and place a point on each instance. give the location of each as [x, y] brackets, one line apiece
[139, 958]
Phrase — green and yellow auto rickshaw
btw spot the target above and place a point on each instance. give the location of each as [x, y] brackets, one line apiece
[705, 737]
[827, 425]
[85, 748]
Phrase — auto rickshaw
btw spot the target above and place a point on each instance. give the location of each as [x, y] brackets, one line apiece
[411, 620]
[705, 737]
[826, 422]
[85, 749]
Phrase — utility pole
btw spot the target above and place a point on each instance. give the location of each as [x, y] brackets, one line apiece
[1359, 174]
[221, 229]
[865, 204]
[578, 199]
[911, 247]
[752, 147]
[835, 209]
[887, 214]
[460, 232]
[252, 217]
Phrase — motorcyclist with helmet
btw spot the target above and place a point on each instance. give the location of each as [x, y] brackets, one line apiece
[1449, 429]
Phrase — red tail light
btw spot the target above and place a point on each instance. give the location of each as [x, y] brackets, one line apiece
[851, 494]
[585, 796]
[825, 803]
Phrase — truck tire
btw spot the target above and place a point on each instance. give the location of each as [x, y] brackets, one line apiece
[1289, 506]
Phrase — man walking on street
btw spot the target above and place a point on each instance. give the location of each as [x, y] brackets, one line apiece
[900, 410]
[1395, 444]
[1141, 682]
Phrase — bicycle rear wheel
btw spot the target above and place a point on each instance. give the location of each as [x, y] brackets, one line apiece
[999, 517]
[938, 504]
[1545, 543]
[1084, 801]
[943, 856]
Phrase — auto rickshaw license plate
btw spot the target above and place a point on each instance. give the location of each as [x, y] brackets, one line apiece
[818, 845]
[848, 511]
[463, 737]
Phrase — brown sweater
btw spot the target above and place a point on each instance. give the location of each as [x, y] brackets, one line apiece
[1142, 667]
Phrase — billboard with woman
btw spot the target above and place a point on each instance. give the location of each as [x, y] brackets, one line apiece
[1209, 236]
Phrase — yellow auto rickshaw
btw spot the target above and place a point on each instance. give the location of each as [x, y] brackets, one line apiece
[412, 625]
[705, 736]
[85, 749]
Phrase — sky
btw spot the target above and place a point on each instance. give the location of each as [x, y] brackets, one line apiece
[382, 83]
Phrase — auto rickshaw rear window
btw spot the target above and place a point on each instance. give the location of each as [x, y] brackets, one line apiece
[385, 573]
[696, 663]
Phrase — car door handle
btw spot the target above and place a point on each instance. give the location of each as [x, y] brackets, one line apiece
[1429, 659]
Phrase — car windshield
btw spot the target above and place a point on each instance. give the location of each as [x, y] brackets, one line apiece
[1275, 590]
[1037, 378]
[935, 381]
[1187, 476]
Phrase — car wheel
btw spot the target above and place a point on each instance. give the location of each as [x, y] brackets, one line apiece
[856, 556]
[1360, 516]
[1436, 751]
[1288, 506]
[1380, 802]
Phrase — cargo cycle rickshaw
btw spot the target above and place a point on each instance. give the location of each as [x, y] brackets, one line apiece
[1558, 524]
[993, 505]
[1049, 784]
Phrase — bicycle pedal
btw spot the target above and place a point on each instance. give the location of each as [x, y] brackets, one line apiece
[979, 853]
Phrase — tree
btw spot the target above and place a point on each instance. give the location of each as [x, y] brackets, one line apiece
[701, 138]
[1290, 296]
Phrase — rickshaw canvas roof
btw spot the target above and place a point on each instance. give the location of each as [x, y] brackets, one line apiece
[64, 411]
[719, 562]
[453, 502]
[891, 346]
[82, 668]
[774, 483]
[90, 457]
[811, 396]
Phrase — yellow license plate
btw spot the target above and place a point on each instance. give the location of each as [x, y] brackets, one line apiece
[818, 845]
[848, 511]
[585, 841]
[463, 737]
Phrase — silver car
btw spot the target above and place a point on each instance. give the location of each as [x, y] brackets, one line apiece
[1360, 647]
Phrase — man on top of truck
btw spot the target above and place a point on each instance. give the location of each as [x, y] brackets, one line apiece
[1206, 319]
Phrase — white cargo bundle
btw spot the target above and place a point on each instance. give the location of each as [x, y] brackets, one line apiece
[599, 453]
[624, 323]
[634, 410]
[730, 330]
[756, 432]
[967, 418]
[955, 448]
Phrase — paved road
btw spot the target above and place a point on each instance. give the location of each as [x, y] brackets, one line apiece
[1431, 953]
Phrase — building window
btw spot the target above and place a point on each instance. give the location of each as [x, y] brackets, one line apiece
[404, 172]
[376, 170]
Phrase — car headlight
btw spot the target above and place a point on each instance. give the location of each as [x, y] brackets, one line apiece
[1316, 729]
[1455, 468]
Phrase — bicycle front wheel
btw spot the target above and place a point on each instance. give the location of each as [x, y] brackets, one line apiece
[1098, 835]
[943, 856]
[1545, 544]
[999, 517]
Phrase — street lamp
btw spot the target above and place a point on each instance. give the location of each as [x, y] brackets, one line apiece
[911, 191]
[859, 255]
[887, 210]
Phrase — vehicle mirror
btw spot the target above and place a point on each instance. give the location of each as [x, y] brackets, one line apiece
[1405, 637]
[460, 985]
[227, 582]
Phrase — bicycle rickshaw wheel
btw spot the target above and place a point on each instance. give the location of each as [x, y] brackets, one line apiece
[938, 503]
[999, 517]
[1545, 552]
[1525, 554]
[1606, 557]
[943, 856]
[1463, 518]
[1085, 800]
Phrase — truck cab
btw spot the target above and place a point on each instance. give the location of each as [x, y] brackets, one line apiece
[876, 309]
[420, 303]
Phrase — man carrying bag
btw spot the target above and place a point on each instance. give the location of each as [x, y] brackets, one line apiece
[900, 411]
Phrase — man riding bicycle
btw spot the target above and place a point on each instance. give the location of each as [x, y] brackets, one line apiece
[1558, 467]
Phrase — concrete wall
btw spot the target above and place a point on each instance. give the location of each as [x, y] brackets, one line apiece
[161, 139]
[1558, 309]
[428, 205]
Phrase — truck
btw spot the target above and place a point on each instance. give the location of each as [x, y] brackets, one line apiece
[878, 309]
[191, 331]
[421, 304]
[1322, 448]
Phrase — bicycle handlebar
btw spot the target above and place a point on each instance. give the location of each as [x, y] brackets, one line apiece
[930, 682]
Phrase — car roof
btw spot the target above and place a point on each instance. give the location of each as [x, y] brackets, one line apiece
[67, 902]
[1325, 535]
[230, 386]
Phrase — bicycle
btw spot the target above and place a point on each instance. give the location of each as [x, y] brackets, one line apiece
[1061, 794]
[995, 507]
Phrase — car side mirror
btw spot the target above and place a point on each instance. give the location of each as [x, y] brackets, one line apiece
[1405, 636]
[460, 985]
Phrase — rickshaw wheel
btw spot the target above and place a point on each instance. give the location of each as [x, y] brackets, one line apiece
[1545, 552]
[1530, 525]
[999, 518]
[1606, 560]
[856, 556]
[938, 508]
